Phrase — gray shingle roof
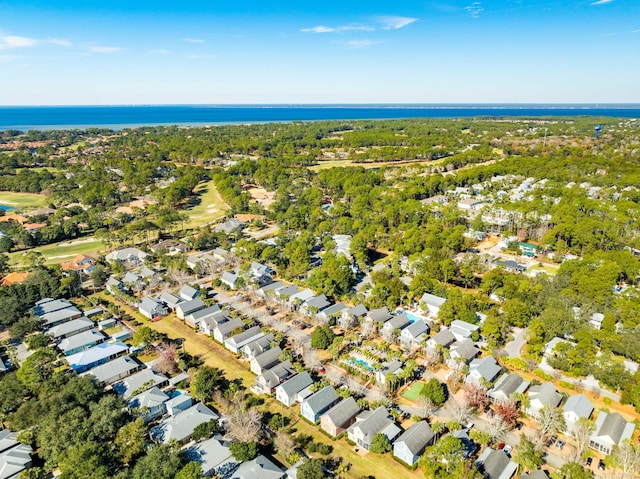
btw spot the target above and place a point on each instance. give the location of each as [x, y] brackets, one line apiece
[343, 411]
[546, 393]
[397, 322]
[146, 378]
[614, 426]
[211, 454]
[358, 311]
[432, 300]
[181, 426]
[373, 422]
[496, 464]
[380, 315]
[465, 349]
[320, 302]
[268, 357]
[297, 383]
[188, 291]
[70, 327]
[322, 399]
[417, 437]
[509, 384]
[203, 313]
[487, 367]
[580, 405]
[258, 468]
[60, 315]
[416, 329]
[444, 337]
[150, 398]
[51, 306]
[79, 340]
[117, 367]
[192, 306]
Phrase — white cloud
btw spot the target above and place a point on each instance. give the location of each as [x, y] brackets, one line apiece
[59, 41]
[394, 23]
[601, 2]
[193, 40]
[9, 42]
[359, 43]
[475, 9]
[343, 28]
[101, 49]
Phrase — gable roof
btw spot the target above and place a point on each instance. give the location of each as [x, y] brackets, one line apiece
[487, 367]
[320, 302]
[201, 314]
[399, 321]
[465, 349]
[268, 357]
[70, 327]
[287, 290]
[258, 468]
[96, 353]
[188, 291]
[245, 337]
[417, 437]
[60, 315]
[170, 299]
[372, 422]
[79, 340]
[496, 464]
[416, 328]
[14, 460]
[181, 426]
[118, 366]
[147, 378]
[580, 405]
[297, 383]
[545, 394]
[8, 439]
[149, 305]
[432, 300]
[189, 307]
[509, 384]
[358, 310]
[212, 454]
[444, 337]
[150, 398]
[321, 399]
[226, 327]
[613, 427]
[380, 315]
[343, 411]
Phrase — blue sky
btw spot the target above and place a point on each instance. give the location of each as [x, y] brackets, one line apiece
[213, 52]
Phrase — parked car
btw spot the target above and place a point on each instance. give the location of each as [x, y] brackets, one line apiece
[519, 426]
[551, 441]
[470, 426]
[601, 465]
[560, 444]
[507, 449]
[501, 446]
[589, 461]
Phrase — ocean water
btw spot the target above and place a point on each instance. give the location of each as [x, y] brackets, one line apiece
[118, 117]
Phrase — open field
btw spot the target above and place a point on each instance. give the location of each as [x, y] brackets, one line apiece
[211, 206]
[326, 164]
[60, 252]
[22, 200]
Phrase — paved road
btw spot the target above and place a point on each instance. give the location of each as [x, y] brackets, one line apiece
[514, 347]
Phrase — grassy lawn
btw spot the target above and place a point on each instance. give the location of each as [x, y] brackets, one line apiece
[23, 200]
[209, 208]
[413, 392]
[60, 252]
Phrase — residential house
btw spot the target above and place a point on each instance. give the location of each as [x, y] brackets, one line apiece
[318, 403]
[392, 367]
[95, 356]
[539, 474]
[14, 459]
[332, 312]
[542, 395]
[370, 423]
[462, 330]
[463, 351]
[506, 386]
[189, 307]
[258, 468]
[287, 392]
[172, 247]
[213, 455]
[314, 305]
[396, 323]
[270, 288]
[195, 319]
[551, 346]
[170, 300]
[285, 292]
[470, 204]
[496, 465]
[210, 323]
[432, 303]
[235, 343]
[188, 292]
[337, 419]
[413, 335]
[443, 339]
[297, 299]
[596, 320]
[132, 281]
[14, 277]
[181, 426]
[228, 226]
[115, 370]
[273, 377]
[70, 328]
[149, 404]
[223, 330]
[152, 309]
[230, 278]
[80, 264]
[510, 266]
[49, 305]
[140, 381]
[380, 316]
[115, 286]
[412, 443]
[256, 347]
[79, 342]
[611, 430]
[178, 403]
[106, 323]
[577, 406]
[483, 371]
[60, 316]
[266, 360]
[356, 313]
[128, 255]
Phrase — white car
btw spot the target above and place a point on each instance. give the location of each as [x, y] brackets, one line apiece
[507, 449]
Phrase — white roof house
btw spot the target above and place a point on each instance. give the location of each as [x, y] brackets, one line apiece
[611, 430]
[432, 302]
[181, 426]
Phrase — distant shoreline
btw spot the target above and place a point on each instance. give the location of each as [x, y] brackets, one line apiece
[118, 117]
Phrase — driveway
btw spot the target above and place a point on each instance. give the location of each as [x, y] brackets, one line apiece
[514, 347]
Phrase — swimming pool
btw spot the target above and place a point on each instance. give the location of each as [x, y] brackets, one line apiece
[360, 362]
[412, 317]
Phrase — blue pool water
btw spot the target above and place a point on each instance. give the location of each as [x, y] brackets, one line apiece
[6, 207]
[360, 362]
[412, 317]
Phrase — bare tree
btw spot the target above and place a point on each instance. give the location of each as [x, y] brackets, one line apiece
[245, 424]
[310, 359]
[459, 412]
[283, 443]
[626, 457]
[368, 329]
[581, 432]
[347, 321]
[456, 375]
[550, 421]
[433, 358]
[167, 361]
[497, 428]
[427, 406]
